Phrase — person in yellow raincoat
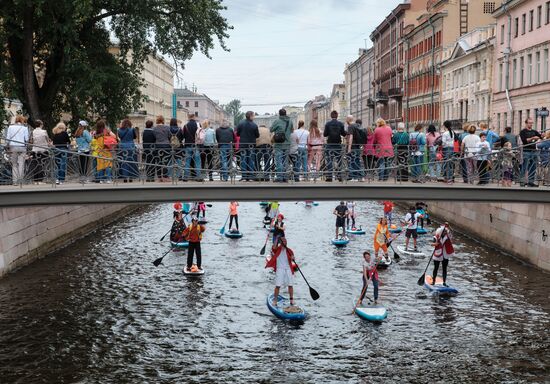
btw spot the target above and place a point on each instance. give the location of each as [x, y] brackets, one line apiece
[381, 237]
[102, 144]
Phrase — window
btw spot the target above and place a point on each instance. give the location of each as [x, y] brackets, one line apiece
[484, 70]
[196, 104]
[516, 27]
[531, 20]
[521, 71]
[539, 16]
[545, 66]
[489, 7]
[187, 104]
[196, 114]
[514, 71]
[520, 113]
[529, 69]
[537, 68]
[502, 34]
[505, 119]
[548, 12]
[523, 22]
[500, 67]
[498, 121]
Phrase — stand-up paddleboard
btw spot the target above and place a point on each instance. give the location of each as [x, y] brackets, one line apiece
[395, 230]
[312, 204]
[203, 221]
[421, 231]
[409, 252]
[340, 242]
[438, 287]
[383, 264]
[233, 234]
[376, 313]
[194, 271]
[284, 310]
[263, 203]
[179, 245]
[356, 231]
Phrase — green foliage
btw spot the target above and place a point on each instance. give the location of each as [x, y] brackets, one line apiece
[234, 108]
[56, 52]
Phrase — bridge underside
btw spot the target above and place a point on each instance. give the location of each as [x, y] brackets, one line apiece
[162, 192]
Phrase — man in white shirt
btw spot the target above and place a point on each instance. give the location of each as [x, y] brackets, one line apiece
[302, 135]
[17, 137]
[411, 221]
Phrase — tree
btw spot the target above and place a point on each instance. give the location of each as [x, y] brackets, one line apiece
[234, 109]
[56, 57]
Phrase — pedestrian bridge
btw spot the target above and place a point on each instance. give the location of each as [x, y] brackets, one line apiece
[135, 193]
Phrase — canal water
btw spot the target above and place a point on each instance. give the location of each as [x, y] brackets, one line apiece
[98, 311]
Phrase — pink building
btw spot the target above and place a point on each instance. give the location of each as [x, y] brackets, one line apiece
[521, 82]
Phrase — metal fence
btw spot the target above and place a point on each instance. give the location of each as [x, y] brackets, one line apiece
[278, 163]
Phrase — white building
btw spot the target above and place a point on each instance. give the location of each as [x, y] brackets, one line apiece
[202, 107]
[467, 75]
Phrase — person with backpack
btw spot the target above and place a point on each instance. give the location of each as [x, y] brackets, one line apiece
[281, 129]
[411, 222]
[334, 132]
[401, 142]
[207, 153]
[417, 146]
[356, 139]
[383, 148]
[192, 135]
[433, 141]
[193, 233]
[127, 154]
[163, 147]
[248, 132]
[448, 139]
[225, 138]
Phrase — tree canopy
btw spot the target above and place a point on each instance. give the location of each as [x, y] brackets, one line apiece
[234, 108]
[56, 58]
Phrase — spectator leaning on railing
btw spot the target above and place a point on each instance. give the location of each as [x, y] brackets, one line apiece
[383, 148]
[225, 138]
[40, 141]
[401, 142]
[263, 153]
[529, 138]
[248, 132]
[17, 137]
[448, 139]
[417, 147]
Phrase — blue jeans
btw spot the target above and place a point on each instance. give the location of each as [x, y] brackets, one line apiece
[128, 159]
[61, 162]
[225, 151]
[417, 168]
[530, 159]
[434, 166]
[448, 166]
[355, 164]
[365, 285]
[302, 161]
[247, 161]
[192, 152]
[383, 168]
[104, 174]
[281, 163]
[333, 154]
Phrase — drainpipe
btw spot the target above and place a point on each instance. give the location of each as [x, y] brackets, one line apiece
[396, 61]
[507, 52]
[406, 85]
[432, 69]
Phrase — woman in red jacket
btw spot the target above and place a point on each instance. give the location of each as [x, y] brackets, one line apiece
[281, 260]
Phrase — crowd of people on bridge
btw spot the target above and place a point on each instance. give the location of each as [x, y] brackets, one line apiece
[341, 150]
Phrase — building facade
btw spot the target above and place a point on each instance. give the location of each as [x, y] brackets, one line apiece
[467, 75]
[388, 65]
[442, 23]
[521, 85]
[311, 109]
[201, 106]
[358, 77]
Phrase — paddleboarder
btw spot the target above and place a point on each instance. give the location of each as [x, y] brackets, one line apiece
[341, 212]
[411, 221]
[351, 214]
[282, 258]
[388, 210]
[178, 226]
[233, 215]
[443, 243]
[421, 208]
[201, 207]
[381, 237]
[193, 234]
[278, 228]
[369, 273]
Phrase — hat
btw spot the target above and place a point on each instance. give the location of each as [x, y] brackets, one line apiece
[83, 123]
[280, 216]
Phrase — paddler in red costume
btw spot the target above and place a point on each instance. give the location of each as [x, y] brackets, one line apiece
[443, 250]
[178, 226]
[281, 260]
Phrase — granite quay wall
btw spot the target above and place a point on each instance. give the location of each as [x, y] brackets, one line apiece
[27, 234]
[521, 230]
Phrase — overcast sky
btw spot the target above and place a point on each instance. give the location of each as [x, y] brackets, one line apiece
[284, 51]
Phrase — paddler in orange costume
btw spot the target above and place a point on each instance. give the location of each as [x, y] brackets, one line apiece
[381, 238]
[443, 243]
[281, 260]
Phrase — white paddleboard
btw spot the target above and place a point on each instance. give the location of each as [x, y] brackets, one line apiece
[409, 252]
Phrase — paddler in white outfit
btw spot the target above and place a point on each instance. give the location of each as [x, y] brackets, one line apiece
[281, 259]
[443, 250]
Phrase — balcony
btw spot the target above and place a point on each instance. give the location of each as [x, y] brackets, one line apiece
[382, 97]
[395, 93]
[370, 103]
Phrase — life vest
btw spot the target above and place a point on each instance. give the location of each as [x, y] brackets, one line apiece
[189, 231]
[443, 243]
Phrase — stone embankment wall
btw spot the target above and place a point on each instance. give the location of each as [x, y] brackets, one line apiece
[522, 230]
[27, 234]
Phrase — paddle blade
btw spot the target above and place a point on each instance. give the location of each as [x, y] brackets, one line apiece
[222, 231]
[314, 294]
[422, 279]
[262, 251]
[396, 255]
[158, 261]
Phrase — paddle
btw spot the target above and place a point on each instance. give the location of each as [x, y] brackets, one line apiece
[262, 251]
[158, 261]
[359, 300]
[312, 292]
[162, 238]
[222, 229]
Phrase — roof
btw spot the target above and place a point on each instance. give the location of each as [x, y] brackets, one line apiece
[184, 92]
[396, 12]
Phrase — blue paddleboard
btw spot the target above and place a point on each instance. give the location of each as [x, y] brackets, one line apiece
[340, 242]
[281, 310]
[233, 235]
[374, 313]
[439, 288]
[181, 244]
[355, 231]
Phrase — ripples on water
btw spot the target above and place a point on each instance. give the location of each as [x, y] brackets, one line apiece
[100, 312]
